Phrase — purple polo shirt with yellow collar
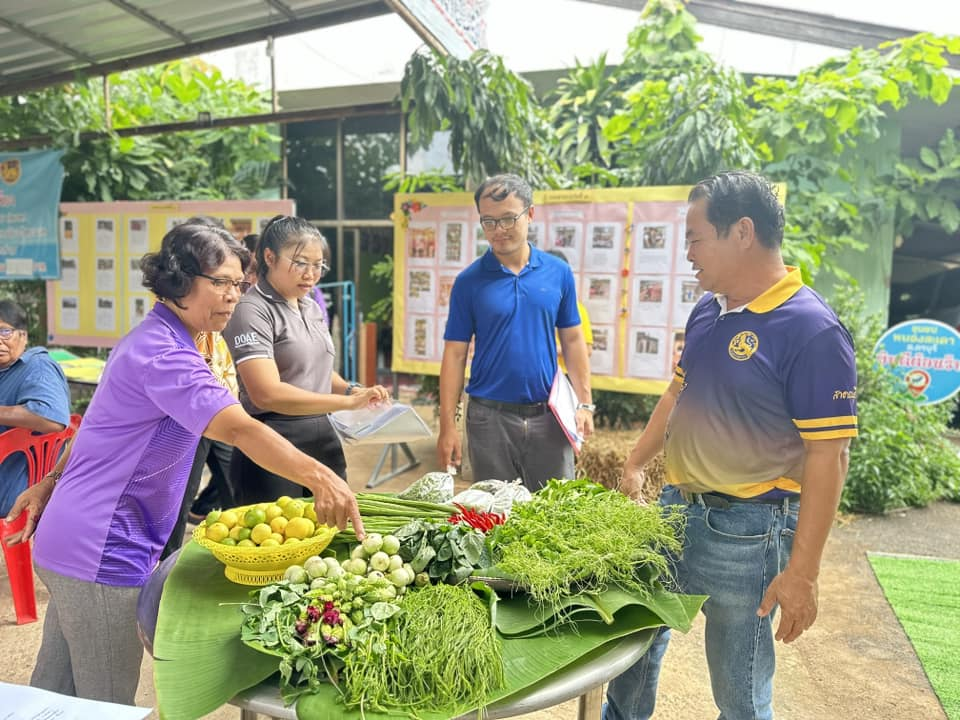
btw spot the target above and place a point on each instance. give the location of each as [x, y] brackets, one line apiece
[114, 508]
[756, 383]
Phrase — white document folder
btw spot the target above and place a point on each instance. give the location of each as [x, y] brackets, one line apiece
[393, 423]
[563, 403]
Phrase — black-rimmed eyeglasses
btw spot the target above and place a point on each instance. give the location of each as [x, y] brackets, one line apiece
[224, 284]
[506, 223]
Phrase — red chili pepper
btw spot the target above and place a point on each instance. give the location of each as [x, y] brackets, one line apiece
[477, 519]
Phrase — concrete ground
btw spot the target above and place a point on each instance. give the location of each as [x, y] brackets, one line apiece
[856, 662]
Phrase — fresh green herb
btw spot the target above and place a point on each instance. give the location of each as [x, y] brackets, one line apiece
[577, 536]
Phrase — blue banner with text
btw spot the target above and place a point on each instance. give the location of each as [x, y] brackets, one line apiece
[30, 184]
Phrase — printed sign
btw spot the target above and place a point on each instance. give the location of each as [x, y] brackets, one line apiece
[30, 185]
[925, 355]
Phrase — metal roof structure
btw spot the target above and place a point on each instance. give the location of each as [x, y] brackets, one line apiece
[46, 42]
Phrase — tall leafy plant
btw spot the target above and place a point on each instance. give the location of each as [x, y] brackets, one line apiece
[214, 163]
[495, 121]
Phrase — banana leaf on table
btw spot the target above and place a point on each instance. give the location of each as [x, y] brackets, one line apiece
[200, 662]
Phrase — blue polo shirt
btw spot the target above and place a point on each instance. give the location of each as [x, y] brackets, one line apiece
[757, 382]
[114, 508]
[36, 382]
[513, 319]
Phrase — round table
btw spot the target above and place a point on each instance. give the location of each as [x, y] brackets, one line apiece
[617, 656]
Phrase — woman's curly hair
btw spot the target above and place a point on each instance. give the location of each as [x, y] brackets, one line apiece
[188, 250]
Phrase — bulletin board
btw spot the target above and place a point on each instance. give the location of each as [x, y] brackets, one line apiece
[100, 295]
[627, 249]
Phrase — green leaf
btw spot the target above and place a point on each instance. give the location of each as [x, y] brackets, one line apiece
[929, 158]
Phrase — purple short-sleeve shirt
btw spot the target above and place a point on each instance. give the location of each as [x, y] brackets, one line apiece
[116, 504]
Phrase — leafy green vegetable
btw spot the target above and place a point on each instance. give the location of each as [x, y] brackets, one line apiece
[447, 553]
[577, 537]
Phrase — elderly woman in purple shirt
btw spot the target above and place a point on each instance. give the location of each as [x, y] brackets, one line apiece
[104, 513]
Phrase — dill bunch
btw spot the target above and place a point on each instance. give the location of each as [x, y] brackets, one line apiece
[578, 537]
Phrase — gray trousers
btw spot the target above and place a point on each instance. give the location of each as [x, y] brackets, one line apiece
[90, 647]
[504, 446]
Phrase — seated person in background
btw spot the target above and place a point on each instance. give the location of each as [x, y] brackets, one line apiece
[33, 394]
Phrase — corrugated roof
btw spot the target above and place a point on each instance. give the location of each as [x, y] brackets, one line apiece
[44, 42]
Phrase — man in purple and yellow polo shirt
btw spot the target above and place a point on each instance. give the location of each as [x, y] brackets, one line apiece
[759, 416]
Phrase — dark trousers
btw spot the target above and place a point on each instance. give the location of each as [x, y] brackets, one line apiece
[217, 455]
[312, 435]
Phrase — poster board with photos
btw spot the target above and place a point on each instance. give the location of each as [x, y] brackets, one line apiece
[627, 249]
[100, 295]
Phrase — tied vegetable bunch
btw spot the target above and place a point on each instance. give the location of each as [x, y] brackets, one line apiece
[316, 617]
[576, 536]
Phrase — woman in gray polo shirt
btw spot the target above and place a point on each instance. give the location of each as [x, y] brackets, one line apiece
[284, 355]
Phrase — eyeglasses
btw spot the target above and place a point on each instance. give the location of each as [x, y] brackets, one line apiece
[320, 268]
[224, 284]
[506, 223]
[7, 333]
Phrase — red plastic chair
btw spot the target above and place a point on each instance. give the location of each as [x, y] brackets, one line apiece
[42, 453]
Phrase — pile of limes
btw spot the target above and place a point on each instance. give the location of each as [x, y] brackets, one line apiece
[282, 522]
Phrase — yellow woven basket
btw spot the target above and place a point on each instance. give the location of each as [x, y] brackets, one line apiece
[259, 565]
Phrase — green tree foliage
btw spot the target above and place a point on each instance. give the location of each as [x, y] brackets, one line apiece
[495, 121]
[901, 457]
[214, 164]
[578, 110]
[211, 163]
[683, 117]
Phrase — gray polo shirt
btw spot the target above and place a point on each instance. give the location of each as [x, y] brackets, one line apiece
[264, 325]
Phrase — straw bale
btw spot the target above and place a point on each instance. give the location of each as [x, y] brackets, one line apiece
[604, 454]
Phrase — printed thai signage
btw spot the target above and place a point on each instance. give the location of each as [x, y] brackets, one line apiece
[30, 184]
[925, 355]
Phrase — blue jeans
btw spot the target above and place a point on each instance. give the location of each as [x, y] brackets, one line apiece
[731, 555]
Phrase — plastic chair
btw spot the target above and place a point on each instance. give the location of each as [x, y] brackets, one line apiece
[42, 453]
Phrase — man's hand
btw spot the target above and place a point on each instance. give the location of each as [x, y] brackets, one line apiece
[584, 420]
[797, 597]
[449, 448]
[335, 503]
[32, 501]
[632, 481]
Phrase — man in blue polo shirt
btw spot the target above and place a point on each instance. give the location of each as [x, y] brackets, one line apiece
[33, 394]
[511, 301]
[755, 428]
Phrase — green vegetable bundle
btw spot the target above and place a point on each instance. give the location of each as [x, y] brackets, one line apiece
[578, 537]
[441, 651]
[385, 514]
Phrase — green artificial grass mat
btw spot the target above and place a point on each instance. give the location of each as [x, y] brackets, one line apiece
[925, 596]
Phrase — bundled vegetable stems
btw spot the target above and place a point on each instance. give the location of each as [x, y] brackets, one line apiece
[385, 514]
[440, 653]
[579, 537]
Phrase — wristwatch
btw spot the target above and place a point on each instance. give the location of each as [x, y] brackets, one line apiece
[589, 407]
[350, 387]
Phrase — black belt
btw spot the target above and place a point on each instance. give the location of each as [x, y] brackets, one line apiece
[722, 501]
[521, 409]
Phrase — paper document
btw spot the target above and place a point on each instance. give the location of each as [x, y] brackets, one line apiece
[563, 403]
[392, 423]
[19, 702]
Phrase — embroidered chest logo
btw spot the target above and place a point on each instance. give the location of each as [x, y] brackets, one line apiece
[743, 345]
